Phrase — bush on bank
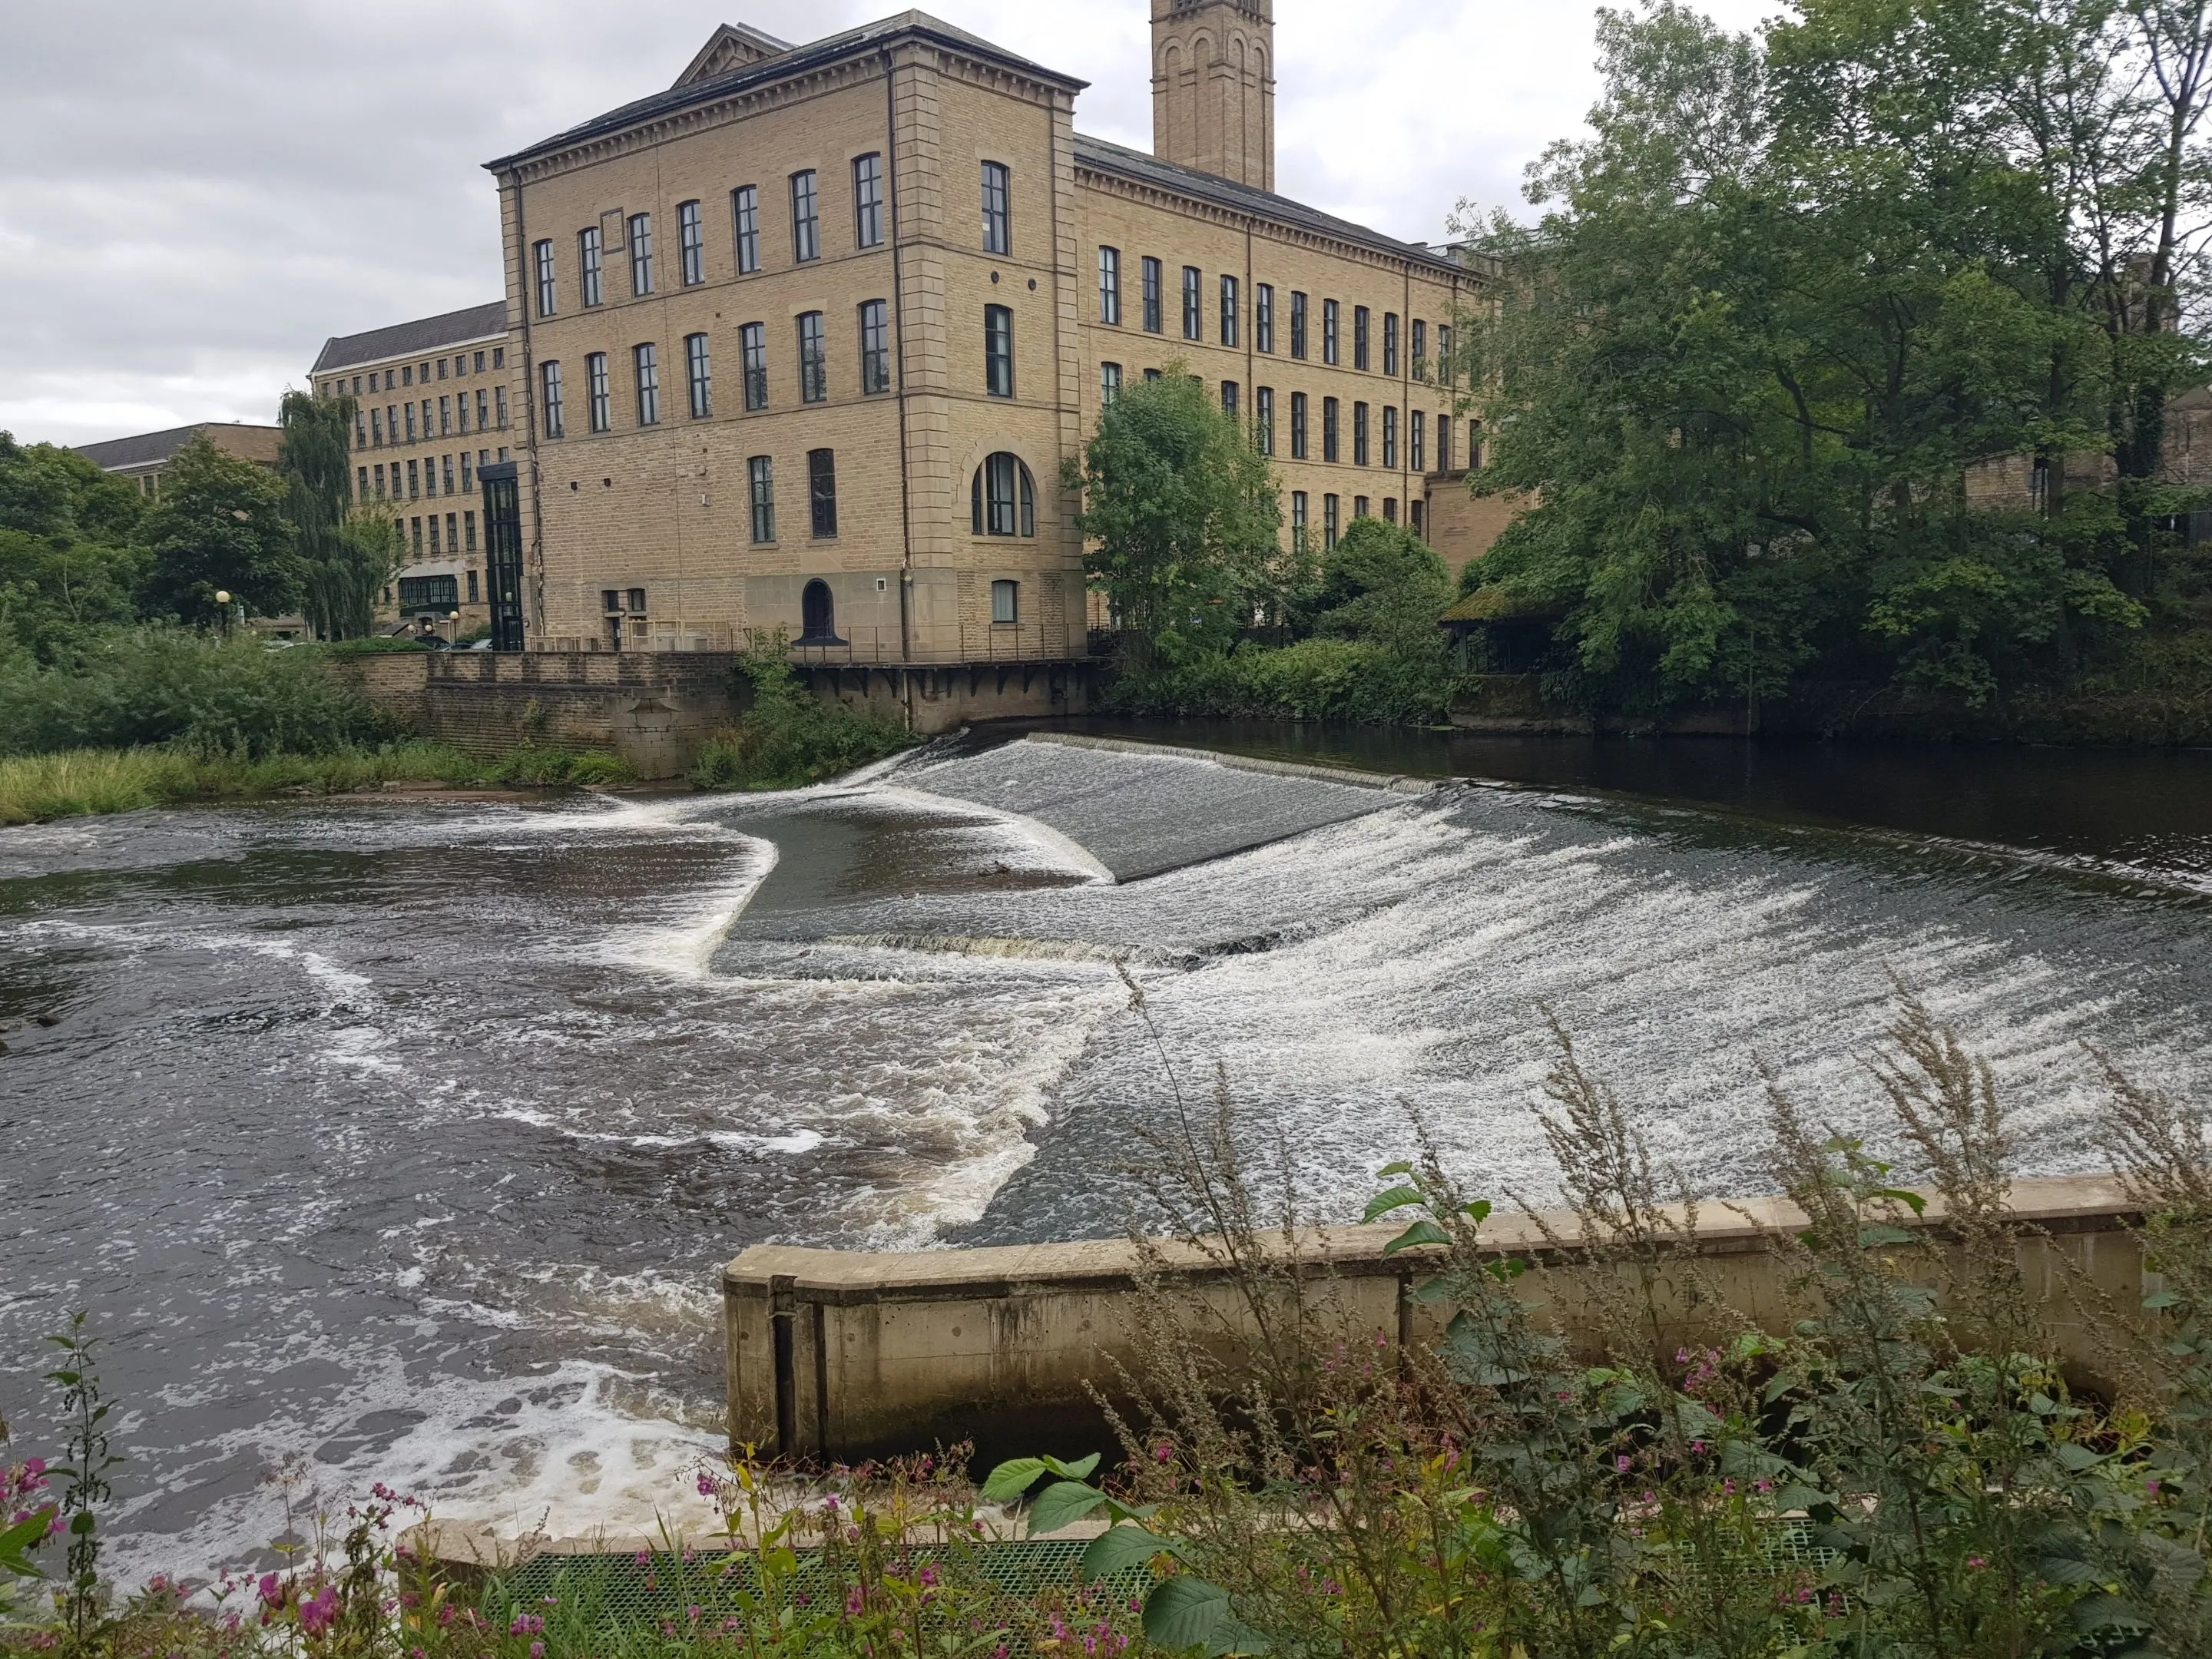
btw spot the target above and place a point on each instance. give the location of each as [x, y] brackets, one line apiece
[788, 738]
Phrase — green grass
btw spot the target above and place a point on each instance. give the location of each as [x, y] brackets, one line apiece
[37, 788]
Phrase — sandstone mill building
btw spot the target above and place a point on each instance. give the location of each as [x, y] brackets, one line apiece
[802, 342]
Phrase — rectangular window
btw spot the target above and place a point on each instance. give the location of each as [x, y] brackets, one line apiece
[1359, 318]
[1297, 426]
[1359, 435]
[875, 347]
[647, 362]
[1005, 603]
[499, 406]
[698, 376]
[411, 421]
[467, 482]
[1298, 522]
[1263, 418]
[453, 535]
[763, 482]
[1390, 509]
[1358, 507]
[999, 351]
[414, 483]
[1420, 349]
[446, 416]
[379, 481]
[1328, 429]
[481, 422]
[1443, 442]
[473, 589]
[1416, 448]
[1390, 437]
[868, 201]
[998, 228]
[360, 490]
[1229, 399]
[435, 546]
[806, 218]
[1231, 309]
[376, 426]
[461, 413]
[1329, 510]
[821, 491]
[813, 359]
[1263, 316]
[690, 243]
[1413, 511]
[428, 407]
[499, 357]
[1194, 304]
[752, 343]
[587, 270]
[1390, 343]
[1328, 335]
[745, 213]
[407, 374]
[1297, 325]
[1110, 286]
[641, 254]
[544, 251]
[1150, 269]
[1110, 383]
[1445, 371]
[1152, 375]
[446, 470]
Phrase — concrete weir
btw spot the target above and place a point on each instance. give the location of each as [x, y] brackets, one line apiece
[841, 1356]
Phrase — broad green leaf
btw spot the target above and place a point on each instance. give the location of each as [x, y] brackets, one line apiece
[1396, 1199]
[1078, 1470]
[1062, 1504]
[2076, 1457]
[1185, 1613]
[1390, 1170]
[1430, 1290]
[1119, 1549]
[1912, 1201]
[1479, 1210]
[1421, 1232]
[1011, 1480]
[2162, 1299]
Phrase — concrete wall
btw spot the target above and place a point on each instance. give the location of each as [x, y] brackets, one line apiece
[845, 1355]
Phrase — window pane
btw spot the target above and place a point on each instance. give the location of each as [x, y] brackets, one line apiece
[764, 487]
[1152, 281]
[640, 253]
[588, 266]
[875, 347]
[1004, 601]
[813, 359]
[648, 385]
[1263, 317]
[744, 208]
[1109, 285]
[805, 223]
[868, 201]
[596, 401]
[1263, 418]
[752, 340]
[691, 240]
[822, 490]
[1194, 305]
[1110, 383]
[545, 294]
[1231, 307]
[998, 230]
[550, 376]
[999, 351]
[699, 374]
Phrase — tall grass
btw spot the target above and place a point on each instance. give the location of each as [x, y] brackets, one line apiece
[789, 738]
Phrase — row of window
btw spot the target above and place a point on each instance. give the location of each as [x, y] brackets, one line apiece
[1331, 516]
[820, 495]
[390, 380]
[447, 416]
[1229, 313]
[631, 234]
[439, 593]
[1263, 425]
[421, 479]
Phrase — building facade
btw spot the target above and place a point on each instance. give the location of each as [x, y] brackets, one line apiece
[803, 342]
[433, 404]
[144, 459]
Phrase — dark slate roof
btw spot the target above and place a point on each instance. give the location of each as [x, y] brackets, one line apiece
[1135, 164]
[406, 339]
[150, 447]
[852, 43]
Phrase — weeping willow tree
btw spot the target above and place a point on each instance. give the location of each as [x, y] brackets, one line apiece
[346, 554]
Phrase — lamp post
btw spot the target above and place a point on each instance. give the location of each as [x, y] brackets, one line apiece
[453, 634]
[223, 598]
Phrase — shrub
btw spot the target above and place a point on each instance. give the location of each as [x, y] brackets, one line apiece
[789, 738]
[1319, 679]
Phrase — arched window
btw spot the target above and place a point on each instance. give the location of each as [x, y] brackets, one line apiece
[1002, 500]
[817, 615]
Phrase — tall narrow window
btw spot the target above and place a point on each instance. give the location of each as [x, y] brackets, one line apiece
[753, 346]
[868, 201]
[1420, 349]
[764, 483]
[1150, 271]
[1002, 497]
[998, 228]
[549, 378]
[999, 351]
[640, 253]
[588, 266]
[1359, 318]
[545, 287]
[414, 484]
[360, 490]
[1297, 325]
[1358, 507]
[1329, 340]
[446, 418]
[806, 218]
[1445, 370]
[1328, 518]
[1229, 399]
[1359, 435]
[875, 347]
[1297, 426]
[1110, 286]
[1231, 309]
[1263, 418]
[1390, 437]
[692, 243]
[445, 469]
[461, 413]
[813, 359]
[698, 376]
[1390, 343]
[745, 214]
[1416, 433]
[1194, 304]
[1328, 429]
[1390, 509]
[498, 407]
[1444, 440]
[821, 491]
[1298, 522]
[480, 409]
[648, 363]
[1263, 316]
[410, 409]
[1109, 384]
[466, 484]
[376, 426]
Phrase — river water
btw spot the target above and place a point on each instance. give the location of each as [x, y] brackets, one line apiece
[403, 1141]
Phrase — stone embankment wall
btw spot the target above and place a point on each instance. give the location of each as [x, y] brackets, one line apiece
[847, 1356]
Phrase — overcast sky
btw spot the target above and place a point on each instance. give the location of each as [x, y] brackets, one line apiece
[196, 196]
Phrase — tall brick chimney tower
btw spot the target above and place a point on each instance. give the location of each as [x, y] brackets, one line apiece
[1213, 87]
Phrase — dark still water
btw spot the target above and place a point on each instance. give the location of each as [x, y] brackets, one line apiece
[405, 1141]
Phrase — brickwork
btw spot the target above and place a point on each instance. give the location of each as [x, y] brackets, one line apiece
[1213, 87]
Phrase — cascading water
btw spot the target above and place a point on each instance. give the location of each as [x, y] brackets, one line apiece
[403, 1143]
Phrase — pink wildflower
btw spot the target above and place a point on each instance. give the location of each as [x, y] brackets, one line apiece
[320, 1611]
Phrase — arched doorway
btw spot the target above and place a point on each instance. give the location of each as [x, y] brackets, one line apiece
[817, 615]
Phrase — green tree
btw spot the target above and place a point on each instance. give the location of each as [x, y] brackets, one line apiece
[1183, 515]
[220, 527]
[1382, 584]
[347, 553]
[67, 562]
